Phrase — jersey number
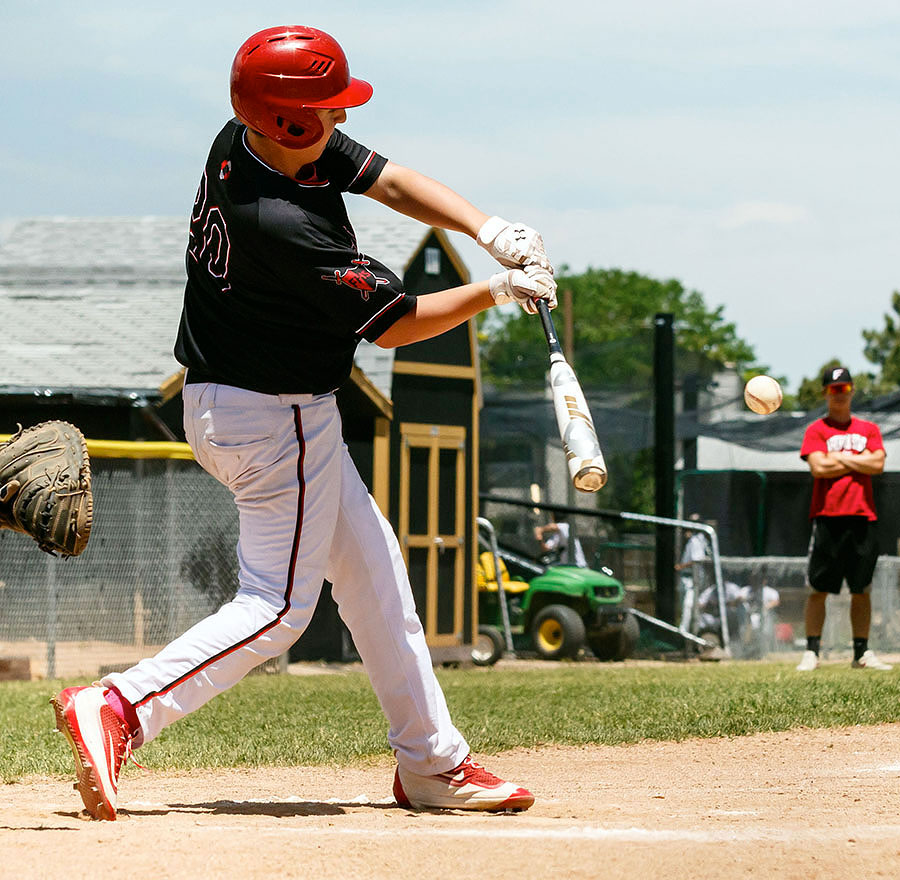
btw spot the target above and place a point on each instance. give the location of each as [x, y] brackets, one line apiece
[209, 243]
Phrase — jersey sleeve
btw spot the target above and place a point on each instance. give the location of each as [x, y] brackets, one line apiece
[813, 441]
[875, 442]
[353, 167]
[360, 295]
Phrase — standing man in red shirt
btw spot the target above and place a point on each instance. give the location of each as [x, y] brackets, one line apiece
[842, 452]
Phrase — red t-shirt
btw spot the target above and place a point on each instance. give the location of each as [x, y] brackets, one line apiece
[850, 494]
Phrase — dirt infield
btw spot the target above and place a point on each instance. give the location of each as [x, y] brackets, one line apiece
[807, 804]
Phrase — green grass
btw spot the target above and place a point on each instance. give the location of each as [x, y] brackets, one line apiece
[335, 719]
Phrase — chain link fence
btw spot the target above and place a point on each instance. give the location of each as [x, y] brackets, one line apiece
[161, 557]
[783, 628]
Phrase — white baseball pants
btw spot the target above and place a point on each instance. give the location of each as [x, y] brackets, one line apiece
[305, 515]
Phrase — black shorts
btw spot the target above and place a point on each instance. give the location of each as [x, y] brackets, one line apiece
[842, 547]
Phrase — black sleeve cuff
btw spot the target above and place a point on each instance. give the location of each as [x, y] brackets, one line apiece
[387, 317]
[368, 173]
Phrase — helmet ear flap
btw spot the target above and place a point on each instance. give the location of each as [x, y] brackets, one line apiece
[303, 129]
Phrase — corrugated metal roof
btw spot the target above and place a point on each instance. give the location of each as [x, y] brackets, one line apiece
[95, 302]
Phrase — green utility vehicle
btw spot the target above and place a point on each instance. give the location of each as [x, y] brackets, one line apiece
[552, 610]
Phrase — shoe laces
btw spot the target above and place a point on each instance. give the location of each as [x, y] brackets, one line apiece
[129, 753]
[124, 751]
[473, 772]
[124, 747]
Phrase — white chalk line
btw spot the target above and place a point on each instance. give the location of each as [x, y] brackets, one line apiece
[528, 829]
[500, 827]
[588, 833]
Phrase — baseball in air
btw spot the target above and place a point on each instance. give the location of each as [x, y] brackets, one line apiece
[763, 395]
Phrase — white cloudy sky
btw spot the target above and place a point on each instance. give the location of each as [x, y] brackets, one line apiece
[746, 148]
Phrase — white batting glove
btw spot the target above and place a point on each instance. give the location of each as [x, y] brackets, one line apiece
[513, 244]
[524, 286]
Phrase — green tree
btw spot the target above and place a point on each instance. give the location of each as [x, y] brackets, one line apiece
[883, 349]
[612, 313]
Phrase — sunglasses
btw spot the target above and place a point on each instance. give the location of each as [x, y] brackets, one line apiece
[840, 388]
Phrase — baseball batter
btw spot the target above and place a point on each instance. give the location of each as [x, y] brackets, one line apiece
[278, 297]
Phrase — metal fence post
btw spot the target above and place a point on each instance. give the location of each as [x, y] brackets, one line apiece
[51, 616]
[664, 460]
[172, 539]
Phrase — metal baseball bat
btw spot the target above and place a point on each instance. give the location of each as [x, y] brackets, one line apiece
[573, 418]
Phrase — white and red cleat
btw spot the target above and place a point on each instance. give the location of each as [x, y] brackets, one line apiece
[99, 743]
[466, 787]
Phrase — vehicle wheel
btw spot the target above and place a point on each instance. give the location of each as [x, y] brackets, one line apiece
[557, 632]
[616, 642]
[488, 647]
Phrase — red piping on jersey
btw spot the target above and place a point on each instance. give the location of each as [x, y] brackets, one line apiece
[295, 548]
[378, 314]
[362, 170]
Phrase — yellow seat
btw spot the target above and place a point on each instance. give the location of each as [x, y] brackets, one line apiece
[487, 580]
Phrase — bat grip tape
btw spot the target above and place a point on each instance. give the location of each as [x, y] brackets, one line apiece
[549, 329]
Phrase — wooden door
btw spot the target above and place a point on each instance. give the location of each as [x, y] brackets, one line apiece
[432, 525]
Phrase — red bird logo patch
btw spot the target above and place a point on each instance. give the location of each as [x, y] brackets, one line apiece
[359, 278]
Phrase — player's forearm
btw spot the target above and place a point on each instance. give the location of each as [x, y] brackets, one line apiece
[828, 467]
[866, 462]
[426, 200]
[435, 313]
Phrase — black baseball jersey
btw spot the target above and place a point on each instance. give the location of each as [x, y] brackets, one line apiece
[278, 296]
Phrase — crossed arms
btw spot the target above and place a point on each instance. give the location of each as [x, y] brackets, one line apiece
[837, 464]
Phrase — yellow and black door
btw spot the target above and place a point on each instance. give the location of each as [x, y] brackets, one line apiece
[432, 526]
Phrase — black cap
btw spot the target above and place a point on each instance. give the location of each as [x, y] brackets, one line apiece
[836, 374]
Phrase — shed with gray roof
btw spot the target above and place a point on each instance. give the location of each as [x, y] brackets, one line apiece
[96, 304]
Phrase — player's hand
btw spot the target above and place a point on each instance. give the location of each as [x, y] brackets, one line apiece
[524, 286]
[513, 244]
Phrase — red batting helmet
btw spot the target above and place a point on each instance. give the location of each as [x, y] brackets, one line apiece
[280, 75]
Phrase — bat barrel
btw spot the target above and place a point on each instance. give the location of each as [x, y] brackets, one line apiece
[587, 469]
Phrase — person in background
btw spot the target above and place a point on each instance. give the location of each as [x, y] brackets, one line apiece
[556, 537]
[694, 565]
[843, 453]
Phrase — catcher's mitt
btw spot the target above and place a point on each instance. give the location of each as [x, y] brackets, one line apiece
[45, 486]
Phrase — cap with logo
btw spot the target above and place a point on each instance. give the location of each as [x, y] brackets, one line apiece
[836, 375]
